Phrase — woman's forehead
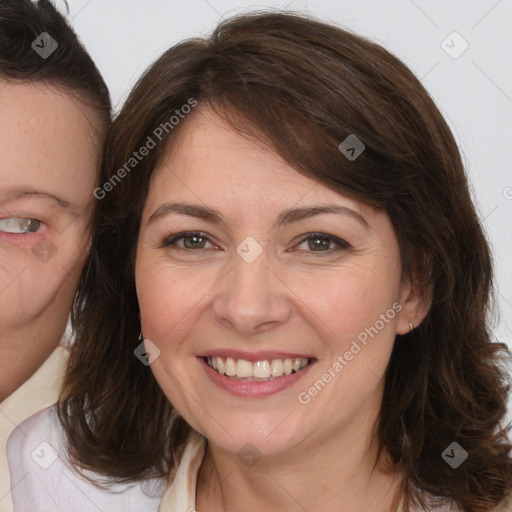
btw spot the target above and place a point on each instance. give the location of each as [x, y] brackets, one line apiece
[210, 162]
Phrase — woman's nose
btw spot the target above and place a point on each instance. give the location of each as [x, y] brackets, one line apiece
[251, 298]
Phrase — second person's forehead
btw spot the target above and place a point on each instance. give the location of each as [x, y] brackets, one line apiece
[47, 142]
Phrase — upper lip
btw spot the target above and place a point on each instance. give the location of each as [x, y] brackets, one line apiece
[262, 355]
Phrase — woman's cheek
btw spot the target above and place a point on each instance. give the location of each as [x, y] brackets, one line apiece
[33, 279]
[166, 295]
[25, 296]
[338, 300]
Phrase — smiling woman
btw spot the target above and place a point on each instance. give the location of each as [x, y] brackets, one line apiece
[309, 217]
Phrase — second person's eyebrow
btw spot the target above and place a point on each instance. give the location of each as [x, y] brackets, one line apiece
[22, 193]
[286, 217]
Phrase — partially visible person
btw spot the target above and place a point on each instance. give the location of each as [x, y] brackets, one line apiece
[54, 114]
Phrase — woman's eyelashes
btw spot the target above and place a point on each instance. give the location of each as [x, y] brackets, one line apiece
[188, 240]
[19, 225]
[322, 243]
[317, 243]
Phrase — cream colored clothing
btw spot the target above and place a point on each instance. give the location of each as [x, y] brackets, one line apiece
[39, 392]
[181, 493]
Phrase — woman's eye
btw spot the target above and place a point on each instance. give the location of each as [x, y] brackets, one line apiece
[314, 242]
[18, 225]
[321, 242]
[194, 240]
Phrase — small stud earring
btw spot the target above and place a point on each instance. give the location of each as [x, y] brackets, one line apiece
[411, 326]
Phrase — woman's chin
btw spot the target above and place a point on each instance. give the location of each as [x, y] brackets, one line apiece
[250, 446]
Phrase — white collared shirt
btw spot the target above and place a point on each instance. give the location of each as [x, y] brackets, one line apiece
[40, 391]
[48, 482]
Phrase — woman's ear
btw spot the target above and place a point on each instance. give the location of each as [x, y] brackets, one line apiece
[416, 299]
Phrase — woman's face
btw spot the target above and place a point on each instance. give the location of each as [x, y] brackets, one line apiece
[247, 265]
[49, 155]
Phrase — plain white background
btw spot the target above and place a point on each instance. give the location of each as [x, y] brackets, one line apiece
[472, 86]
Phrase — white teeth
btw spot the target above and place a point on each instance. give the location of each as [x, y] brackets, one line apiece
[230, 367]
[276, 368]
[259, 370]
[243, 368]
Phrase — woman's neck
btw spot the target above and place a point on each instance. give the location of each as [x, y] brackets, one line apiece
[338, 475]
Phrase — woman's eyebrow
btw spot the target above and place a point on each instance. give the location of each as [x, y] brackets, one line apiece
[194, 210]
[40, 194]
[298, 214]
[286, 217]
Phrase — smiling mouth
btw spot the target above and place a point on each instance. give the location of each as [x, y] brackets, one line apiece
[258, 371]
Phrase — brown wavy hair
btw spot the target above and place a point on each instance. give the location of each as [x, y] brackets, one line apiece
[302, 86]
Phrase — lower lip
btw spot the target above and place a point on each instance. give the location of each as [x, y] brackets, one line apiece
[253, 389]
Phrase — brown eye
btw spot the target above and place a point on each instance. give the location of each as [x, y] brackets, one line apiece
[322, 242]
[319, 243]
[188, 240]
[194, 242]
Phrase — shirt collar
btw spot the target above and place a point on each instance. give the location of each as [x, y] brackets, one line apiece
[181, 493]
